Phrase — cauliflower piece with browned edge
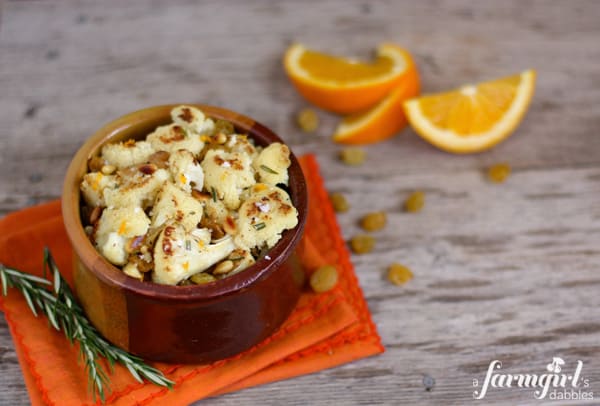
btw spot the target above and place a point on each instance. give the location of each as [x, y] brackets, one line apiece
[173, 137]
[179, 255]
[128, 153]
[192, 119]
[116, 227]
[228, 174]
[186, 171]
[137, 188]
[272, 163]
[264, 216]
[241, 143]
[93, 186]
[173, 204]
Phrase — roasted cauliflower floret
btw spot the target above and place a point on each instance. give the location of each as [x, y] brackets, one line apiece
[192, 119]
[179, 255]
[173, 204]
[192, 203]
[228, 174]
[127, 153]
[272, 163]
[186, 171]
[116, 227]
[264, 216]
[138, 187]
[240, 143]
[173, 137]
[93, 186]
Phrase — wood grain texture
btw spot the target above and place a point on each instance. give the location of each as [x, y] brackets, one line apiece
[505, 272]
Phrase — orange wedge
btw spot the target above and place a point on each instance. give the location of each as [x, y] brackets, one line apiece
[344, 85]
[382, 121]
[475, 117]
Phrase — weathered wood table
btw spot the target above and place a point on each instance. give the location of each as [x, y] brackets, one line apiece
[504, 272]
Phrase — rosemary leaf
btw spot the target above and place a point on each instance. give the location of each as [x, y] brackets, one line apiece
[267, 169]
[4, 280]
[259, 226]
[64, 313]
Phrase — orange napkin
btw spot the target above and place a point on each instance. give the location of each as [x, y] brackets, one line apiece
[323, 331]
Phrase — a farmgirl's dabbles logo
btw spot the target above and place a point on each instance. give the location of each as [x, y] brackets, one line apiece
[558, 383]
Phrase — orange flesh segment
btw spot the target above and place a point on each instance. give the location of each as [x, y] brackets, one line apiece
[335, 69]
[473, 109]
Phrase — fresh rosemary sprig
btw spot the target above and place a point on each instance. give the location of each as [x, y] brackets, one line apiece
[64, 313]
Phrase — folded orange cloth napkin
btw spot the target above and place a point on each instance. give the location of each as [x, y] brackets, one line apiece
[324, 330]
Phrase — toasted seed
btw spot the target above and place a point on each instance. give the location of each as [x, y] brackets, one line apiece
[498, 173]
[198, 195]
[399, 274]
[324, 278]
[221, 138]
[95, 164]
[147, 169]
[353, 156]
[202, 277]
[160, 159]
[307, 120]
[339, 202]
[108, 169]
[362, 243]
[224, 267]
[95, 214]
[414, 202]
[373, 221]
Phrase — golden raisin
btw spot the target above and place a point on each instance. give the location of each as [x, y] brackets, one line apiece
[339, 202]
[373, 221]
[308, 121]
[353, 156]
[399, 274]
[499, 172]
[324, 278]
[414, 202]
[362, 243]
[225, 127]
[202, 277]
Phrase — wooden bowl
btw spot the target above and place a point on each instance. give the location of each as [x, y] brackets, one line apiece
[183, 324]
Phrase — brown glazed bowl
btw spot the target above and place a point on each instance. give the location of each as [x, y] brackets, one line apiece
[183, 324]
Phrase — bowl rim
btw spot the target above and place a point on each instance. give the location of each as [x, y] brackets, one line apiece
[110, 274]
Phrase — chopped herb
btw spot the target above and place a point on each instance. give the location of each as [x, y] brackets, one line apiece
[260, 226]
[236, 259]
[64, 313]
[188, 245]
[267, 169]
[213, 192]
[192, 213]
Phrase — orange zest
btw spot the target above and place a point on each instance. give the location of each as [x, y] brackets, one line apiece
[344, 85]
[472, 118]
[385, 119]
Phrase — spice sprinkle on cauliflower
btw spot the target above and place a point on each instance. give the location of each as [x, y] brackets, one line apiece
[192, 203]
